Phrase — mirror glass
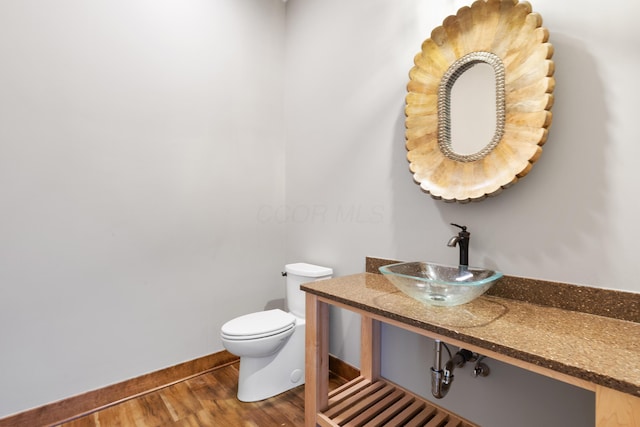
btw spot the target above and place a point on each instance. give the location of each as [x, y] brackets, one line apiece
[481, 92]
[473, 109]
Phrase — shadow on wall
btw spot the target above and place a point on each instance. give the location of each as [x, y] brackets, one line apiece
[557, 211]
[275, 304]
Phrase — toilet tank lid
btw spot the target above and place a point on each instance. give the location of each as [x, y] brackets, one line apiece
[308, 270]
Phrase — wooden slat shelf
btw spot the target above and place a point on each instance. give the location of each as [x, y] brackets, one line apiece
[366, 403]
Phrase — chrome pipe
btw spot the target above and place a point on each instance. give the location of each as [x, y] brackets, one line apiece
[439, 387]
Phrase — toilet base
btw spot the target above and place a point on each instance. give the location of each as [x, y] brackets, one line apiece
[264, 377]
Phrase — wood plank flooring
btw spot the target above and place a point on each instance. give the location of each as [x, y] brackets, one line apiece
[206, 400]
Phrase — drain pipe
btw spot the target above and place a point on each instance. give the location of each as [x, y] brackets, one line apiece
[441, 378]
[438, 389]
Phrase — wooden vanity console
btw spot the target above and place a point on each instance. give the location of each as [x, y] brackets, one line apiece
[597, 353]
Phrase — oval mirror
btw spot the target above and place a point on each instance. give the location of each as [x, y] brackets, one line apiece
[509, 37]
[478, 113]
[473, 110]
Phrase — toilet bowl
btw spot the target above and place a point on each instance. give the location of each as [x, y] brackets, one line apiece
[271, 343]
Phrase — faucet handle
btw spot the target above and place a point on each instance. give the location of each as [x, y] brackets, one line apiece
[462, 227]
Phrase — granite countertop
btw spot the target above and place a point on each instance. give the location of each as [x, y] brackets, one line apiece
[597, 349]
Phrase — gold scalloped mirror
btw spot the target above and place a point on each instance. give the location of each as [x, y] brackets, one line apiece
[509, 37]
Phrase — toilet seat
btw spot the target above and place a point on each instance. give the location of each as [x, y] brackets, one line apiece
[258, 325]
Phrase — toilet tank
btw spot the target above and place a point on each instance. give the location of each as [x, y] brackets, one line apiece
[298, 274]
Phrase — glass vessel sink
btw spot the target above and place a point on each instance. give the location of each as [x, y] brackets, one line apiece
[442, 285]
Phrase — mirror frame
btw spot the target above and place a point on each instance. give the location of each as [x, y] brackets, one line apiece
[509, 36]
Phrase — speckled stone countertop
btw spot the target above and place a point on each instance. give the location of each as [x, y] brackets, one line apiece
[597, 349]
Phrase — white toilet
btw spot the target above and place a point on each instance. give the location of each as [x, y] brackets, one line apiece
[271, 343]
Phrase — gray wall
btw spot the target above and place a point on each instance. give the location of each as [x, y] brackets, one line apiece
[570, 220]
[138, 142]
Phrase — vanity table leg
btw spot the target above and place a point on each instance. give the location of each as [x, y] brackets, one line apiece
[369, 348]
[616, 409]
[316, 387]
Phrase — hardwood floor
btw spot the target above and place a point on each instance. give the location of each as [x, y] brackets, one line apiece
[206, 400]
